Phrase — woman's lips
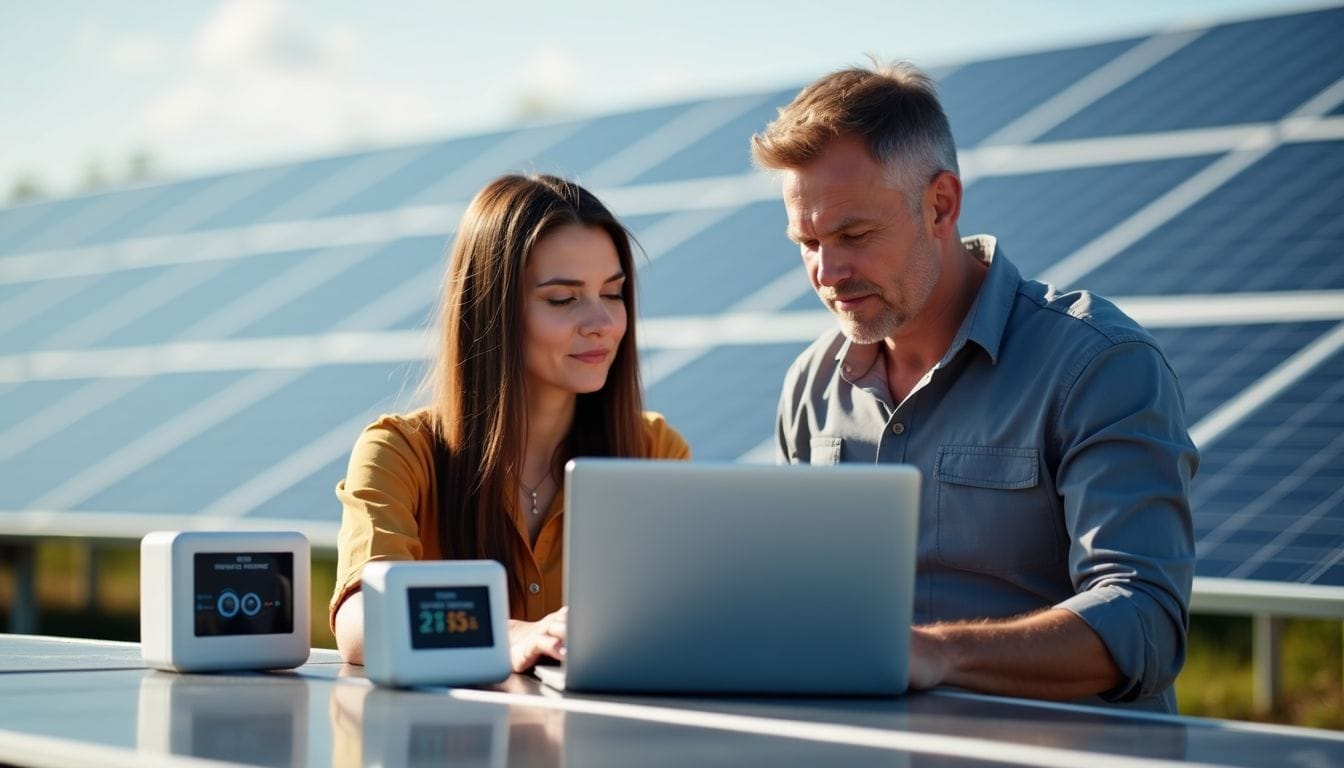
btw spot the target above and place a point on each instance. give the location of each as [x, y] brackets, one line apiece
[597, 356]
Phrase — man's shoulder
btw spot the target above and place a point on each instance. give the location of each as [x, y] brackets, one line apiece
[1078, 314]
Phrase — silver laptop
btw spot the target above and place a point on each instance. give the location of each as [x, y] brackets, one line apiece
[732, 578]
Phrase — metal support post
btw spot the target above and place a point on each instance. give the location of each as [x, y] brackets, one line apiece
[1265, 646]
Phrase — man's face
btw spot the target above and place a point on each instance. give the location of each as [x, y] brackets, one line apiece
[869, 256]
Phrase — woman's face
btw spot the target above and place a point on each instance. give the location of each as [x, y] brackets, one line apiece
[574, 310]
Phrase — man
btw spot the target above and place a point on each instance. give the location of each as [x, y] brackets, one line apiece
[1055, 548]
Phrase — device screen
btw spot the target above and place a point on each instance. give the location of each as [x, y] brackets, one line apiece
[450, 617]
[244, 593]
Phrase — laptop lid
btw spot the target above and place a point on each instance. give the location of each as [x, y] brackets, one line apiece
[735, 578]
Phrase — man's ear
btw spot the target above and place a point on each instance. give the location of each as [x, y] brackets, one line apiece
[942, 199]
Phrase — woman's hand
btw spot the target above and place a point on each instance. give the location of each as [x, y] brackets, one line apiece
[531, 640]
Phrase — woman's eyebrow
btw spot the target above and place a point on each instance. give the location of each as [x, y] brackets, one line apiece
[573, 283]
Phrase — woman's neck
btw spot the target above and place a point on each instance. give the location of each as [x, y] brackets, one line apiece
[548, 422]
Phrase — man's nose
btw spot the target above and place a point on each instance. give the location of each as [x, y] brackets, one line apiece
[831, 266]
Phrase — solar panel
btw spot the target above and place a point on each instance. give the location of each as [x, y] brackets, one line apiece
[1275, 227]
[1246, 72]
[211, 347]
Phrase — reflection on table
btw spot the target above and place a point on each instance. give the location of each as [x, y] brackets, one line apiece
[374, 726]
[258, 719]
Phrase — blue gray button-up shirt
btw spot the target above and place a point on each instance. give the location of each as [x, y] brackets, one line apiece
[1056, 465]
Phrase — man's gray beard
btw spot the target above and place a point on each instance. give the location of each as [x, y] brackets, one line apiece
[882, 326]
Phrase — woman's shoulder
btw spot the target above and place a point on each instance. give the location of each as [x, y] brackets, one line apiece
[411, 432]
[664, 441]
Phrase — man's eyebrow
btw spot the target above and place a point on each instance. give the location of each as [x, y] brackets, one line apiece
[839, 226]
[570, 282]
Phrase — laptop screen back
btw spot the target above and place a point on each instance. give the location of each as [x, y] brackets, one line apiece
[694, 577]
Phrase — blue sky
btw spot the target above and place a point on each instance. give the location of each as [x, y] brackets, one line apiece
[214, 86]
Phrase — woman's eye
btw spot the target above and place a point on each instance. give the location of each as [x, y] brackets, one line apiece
[561, 302]
[614, 296]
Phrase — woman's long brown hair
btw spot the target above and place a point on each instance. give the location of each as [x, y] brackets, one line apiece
[479, 410]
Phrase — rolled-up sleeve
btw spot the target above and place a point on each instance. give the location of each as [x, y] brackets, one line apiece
[1125, 471]
[384, 482]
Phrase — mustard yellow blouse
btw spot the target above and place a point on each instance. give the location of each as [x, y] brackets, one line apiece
[390, 509]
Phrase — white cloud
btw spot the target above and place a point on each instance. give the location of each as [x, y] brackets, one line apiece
[552, 72]
[264, 83]
[122, 52]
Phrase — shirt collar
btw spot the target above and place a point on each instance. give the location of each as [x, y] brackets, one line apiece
[984, 324]
[988, 318]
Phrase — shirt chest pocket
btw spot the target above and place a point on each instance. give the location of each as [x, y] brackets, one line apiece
[992, 514]
[825, 450]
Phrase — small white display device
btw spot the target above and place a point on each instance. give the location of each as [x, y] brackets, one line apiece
[443, 622]
[217, 600]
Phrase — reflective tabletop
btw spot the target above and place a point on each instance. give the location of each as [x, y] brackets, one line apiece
[83, 702]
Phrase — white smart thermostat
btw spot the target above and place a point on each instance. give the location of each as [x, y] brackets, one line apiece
[218, 600]
[441, 622]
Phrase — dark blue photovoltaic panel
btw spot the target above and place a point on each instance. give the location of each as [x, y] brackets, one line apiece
[40, 219]
[45, 464]
[96, 212]
[1246, 72]
[736, 386]
[1276, 226]
[10, 292]
[176, 319]
[1337, 111]
[403, 185]
[313, 497]
[726, 150]
[137, 222]
[510, 151]
[720, 266]
[19, 401]
[262, 205]
[237, 449]
[330, 302]
[1269, 497]
[601, 138]
[19, 221]
[90, 291]
[1216, 363]
[984, 96]
[21, 224]
[1040, 218]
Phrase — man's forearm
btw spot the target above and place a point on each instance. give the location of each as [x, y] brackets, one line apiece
[1052, 654]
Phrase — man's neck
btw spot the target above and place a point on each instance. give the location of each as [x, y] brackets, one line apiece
[921, 343]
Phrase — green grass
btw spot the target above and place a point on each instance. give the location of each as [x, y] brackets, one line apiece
[1216, 681]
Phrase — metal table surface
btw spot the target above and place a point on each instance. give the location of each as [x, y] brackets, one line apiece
[84, 702]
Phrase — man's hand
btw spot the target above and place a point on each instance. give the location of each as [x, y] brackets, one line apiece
[531, 640]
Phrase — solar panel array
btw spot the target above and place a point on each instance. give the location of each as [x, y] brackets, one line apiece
[211, 347]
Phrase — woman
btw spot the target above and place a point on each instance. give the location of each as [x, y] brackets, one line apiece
[536, 365]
